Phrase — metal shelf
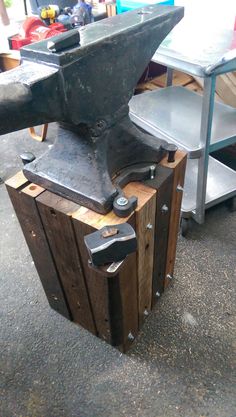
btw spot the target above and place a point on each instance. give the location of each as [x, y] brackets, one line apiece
[221, 185]
[175, 112]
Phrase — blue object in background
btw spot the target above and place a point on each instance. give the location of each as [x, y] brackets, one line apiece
[125, 5]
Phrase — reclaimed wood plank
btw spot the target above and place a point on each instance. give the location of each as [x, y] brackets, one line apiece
[23, 200]
[179, 79]
[55, 212]
[113, 299]
[145, 231]
[163, 183]
[178, 171]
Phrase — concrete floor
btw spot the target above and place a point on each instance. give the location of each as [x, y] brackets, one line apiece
[182, 363]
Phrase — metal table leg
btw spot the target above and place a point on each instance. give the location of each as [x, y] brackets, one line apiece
[205, 137]
[169, 77]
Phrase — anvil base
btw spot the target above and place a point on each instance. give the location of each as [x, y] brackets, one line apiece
[81, 164]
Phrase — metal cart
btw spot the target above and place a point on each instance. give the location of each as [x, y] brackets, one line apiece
[194, 123]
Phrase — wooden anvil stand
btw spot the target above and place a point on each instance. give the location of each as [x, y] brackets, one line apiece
[111, 306]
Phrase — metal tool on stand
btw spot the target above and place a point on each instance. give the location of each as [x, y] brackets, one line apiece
[96, 139]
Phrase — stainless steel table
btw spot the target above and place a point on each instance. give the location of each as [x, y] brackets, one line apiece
[193, 122]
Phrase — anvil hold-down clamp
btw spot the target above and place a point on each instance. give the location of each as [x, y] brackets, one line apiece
[84, 79]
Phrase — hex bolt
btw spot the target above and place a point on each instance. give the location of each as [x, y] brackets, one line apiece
[152, 172]
[158, 294]
[179, 188]
[122, 201]
[149, 226]
[146, 312]
[164, 209]
[130, 337]
[169, 276]
[27, 157]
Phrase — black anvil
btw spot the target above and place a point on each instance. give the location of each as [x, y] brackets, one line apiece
[84, 80]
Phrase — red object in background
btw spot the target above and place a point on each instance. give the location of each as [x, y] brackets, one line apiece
[34, 30]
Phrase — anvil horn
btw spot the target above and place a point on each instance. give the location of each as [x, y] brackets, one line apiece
[24, 96]
[87, 88]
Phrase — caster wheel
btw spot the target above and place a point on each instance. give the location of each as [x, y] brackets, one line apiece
[184, 226]
[231, 204]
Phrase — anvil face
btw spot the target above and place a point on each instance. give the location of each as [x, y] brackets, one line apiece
[87, 88]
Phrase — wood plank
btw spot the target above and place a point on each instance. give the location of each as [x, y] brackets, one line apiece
[23, 200]
[9, 61]
[200, 82]
[113, 299]
[179, 171]
[195, 87]
[226, 89]
[96, 283]
[55, 213]
[163, 183]
[145, 231]
[179, 79]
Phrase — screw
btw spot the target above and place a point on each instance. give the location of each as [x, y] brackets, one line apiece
[130, 337]
[152, 172]
[158, 294]
[164, 209]
[179, 188]
[122, 201]
[169, 276]
[149, 226]
[146, 313]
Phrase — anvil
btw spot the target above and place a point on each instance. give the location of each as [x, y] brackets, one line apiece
[84, 81]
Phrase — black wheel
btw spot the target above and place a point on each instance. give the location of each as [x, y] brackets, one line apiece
[184, 226]
[231, 204]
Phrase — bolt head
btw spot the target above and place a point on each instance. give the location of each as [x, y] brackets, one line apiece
[158, 294]
[146, 312]
[164, 209]
[130, 337]
[122, 201]
[169, 276]
[179, 188]
[149, 226]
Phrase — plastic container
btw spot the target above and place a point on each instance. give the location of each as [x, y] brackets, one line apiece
[126, 5]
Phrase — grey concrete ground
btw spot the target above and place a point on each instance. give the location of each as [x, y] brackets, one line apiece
[181, 365]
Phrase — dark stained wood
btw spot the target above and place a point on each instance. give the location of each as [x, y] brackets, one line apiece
[110, 305]
[56, 213]
[23, 200]
[178, 171]
[114, 298]
[163, 183]
[96, 283]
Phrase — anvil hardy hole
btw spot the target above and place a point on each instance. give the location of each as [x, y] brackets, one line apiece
[53, 213]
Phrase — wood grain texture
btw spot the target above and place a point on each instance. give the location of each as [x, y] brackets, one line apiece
[23, 200]
[145, 231]
[113, 299]
[55, 213]
[178, 171]
[163, 183]
[179, 79]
